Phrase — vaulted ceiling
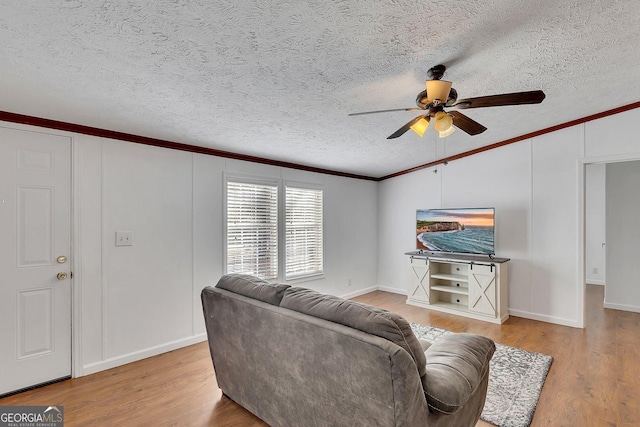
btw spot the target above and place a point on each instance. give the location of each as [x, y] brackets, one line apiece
[277, 78]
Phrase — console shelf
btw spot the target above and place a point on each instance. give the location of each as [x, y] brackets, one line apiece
[452, 277]
[451, 289]
[469, 286]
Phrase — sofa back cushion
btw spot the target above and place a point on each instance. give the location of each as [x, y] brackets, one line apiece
[372, 320]
[252, 287]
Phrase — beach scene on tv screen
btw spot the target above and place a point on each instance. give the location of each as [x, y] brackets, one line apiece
[455, 230]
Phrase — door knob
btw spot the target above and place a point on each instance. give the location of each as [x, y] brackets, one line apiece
[61, 259]
[62, 275]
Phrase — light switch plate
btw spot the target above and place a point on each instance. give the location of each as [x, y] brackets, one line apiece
[124, 238]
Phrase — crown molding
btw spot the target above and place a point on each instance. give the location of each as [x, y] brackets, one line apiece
[104, 133]
[517, 139]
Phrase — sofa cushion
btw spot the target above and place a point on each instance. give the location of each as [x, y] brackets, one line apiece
[424, 344]
[456, 366]
[252, 287]
[373, 320]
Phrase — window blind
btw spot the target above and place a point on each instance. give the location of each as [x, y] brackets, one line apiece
[303, 222]
[252, 229]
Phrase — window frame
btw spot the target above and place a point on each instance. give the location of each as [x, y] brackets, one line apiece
[308, 276]
[250, 180]
[281, 185]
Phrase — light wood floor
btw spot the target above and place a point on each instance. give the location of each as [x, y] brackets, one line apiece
[594, 379]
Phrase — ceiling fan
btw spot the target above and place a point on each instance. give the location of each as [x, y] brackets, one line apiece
[439, 94]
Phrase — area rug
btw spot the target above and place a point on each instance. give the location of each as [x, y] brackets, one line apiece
[516, 377]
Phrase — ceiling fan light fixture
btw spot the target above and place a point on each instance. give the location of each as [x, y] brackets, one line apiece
[447, 132]
[443, 121]
[420, 126]
[438, 90]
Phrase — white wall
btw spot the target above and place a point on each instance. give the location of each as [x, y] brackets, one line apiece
[141, 300]
[398, 199]
[595, 223]
[480, 181]
[623, 236]
[530, 184]
[534, 187]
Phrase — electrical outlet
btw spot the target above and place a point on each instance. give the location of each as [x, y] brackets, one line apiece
[595, 271]
[124, 238]
[349, 282]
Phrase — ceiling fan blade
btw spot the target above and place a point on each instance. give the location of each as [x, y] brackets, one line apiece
[467, 124]
[404, 128]
[517, 98]
[386, 111]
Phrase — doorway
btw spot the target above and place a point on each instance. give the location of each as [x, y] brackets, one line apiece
[595, 224]
[35, 248]
[619, 178]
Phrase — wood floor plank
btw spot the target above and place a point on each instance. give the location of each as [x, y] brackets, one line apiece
[594, 379]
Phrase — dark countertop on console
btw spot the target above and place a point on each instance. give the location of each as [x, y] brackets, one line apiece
[456, 257]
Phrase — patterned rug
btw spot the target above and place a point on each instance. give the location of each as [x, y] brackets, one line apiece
[515, 380]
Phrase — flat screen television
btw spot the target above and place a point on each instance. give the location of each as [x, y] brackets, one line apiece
[466, 231]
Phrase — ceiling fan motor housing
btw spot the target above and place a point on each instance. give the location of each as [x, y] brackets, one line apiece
[422, 100]
[436, 72]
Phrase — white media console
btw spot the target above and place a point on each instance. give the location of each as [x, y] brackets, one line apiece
[467, 285]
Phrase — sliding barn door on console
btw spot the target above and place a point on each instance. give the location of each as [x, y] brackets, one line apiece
[35, 245]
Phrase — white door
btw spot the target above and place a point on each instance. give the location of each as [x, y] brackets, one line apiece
[35, 233]
[419, 289]
[482, 289]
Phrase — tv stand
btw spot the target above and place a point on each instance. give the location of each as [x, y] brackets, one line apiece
[466, 285]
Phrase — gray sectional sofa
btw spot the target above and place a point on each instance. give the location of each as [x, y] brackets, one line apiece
[294, 357]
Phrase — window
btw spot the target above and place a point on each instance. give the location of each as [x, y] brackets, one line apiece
[303, 228]
[252, 229]
[255, 214]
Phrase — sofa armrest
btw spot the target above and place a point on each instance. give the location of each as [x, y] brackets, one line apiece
[456, 366]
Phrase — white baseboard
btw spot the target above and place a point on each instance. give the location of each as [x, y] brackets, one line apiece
[393, 290]
[595, 282]
[623, 307]
[358, 293]
[544, 318]
[113, 362]
[517, 313]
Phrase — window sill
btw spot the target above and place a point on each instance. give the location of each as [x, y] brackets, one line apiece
[307, 278]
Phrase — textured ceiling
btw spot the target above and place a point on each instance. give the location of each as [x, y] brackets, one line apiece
[277, 78]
